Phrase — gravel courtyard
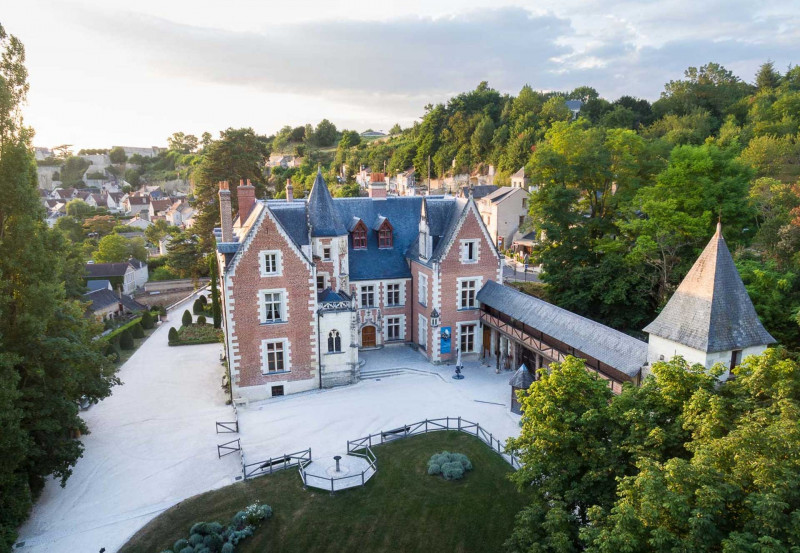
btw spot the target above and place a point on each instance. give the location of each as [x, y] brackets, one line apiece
[152, 444]
[325, 419]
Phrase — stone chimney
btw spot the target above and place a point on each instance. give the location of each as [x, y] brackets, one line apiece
[289, 190]
[226, 216]
[377, 186]
[246, 195]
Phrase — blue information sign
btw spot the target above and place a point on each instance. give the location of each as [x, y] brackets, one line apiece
[444, 338]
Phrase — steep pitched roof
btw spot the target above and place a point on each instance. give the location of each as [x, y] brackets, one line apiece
[519, 174]
[711, 310]
[500, 194]
[322, 214]
[105, 270]
[522, 378]
[618, 350]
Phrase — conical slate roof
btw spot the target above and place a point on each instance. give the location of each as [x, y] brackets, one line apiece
[322, 214]
[522, 378]
[711, 310]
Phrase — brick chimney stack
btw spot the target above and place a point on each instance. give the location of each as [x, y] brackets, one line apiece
[289, 190]
[226, 216]
[377, 186]
[246, 194]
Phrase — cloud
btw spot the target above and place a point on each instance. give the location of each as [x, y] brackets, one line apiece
[407, 56]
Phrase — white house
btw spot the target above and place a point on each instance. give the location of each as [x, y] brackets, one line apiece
[503, 212]
[710, 318]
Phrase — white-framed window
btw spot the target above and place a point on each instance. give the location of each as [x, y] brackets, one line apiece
[272, 306]
[467, 338]
[466, 293]
[270, 262]
[422, 332]
[326, 253]
[274, 356]
[394, 328]
[469, 251]
[322, 282]
[334, 342]
[393, 296]
[368, 296]
[422, 295]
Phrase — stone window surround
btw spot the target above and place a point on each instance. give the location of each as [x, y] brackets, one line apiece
[286, 350]
[262, 263]
[284, 306]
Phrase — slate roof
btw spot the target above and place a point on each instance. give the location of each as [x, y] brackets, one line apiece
[322, 214]
[522, 378]
[478, 192]
[574, 105]
[100, 299]
[292, 217]
[104, 270]
[500, 194]
[618, 350]
[519, 174]
[711, 310]
[93, 285]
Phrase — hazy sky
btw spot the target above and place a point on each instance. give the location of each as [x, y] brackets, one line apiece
[108, 72]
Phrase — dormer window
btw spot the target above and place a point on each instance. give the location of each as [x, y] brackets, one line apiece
[423, 245]
[385, 235]
[360, 236]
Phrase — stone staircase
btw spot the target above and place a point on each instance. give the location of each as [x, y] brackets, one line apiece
[397, 371]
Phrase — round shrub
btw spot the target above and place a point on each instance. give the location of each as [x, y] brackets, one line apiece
[180, 544]
[213, 542]
[186, 320]
[201, 319]
[197, 307]
[227, 548]
[147, 321]
[112, 350]
[126, 339]
[172, 336]
[162, 311]
[137, 331]
[196, 539]
[451, 466]
[203, 300]
[187, 549]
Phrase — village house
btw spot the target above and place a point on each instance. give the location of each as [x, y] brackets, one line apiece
[158, 208]
[519, 180]
[308, 283]
[130, 275]
[105, 303]
[136, 205]
[503, 211]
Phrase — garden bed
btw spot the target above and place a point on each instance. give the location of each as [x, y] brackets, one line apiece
[195, 334]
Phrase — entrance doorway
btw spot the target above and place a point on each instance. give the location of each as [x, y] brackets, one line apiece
[368, 337]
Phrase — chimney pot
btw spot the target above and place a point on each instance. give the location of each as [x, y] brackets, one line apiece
[289, 190]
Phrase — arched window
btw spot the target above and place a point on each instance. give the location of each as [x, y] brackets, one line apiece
[334, 342]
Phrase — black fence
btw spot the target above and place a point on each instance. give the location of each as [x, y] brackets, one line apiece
[351, 480]
[299, 459]
[435, 425]
[228, 427]
[227, 448]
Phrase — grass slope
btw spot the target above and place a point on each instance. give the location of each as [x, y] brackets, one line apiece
[401, 509]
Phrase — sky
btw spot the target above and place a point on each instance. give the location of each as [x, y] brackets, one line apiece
[107, 73]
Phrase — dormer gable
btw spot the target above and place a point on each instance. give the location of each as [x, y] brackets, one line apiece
[385, 233]
[359, 235]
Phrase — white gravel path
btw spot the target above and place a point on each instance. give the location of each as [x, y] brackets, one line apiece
[152, 444]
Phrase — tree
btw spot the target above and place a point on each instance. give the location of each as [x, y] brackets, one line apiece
[126, 340]
[78, 209]
[736, 490]
[186, 320]
[396, 129]
[567, 457]
[198, 308]
[147, 320]
[115, 249]
[71, 228]
[238, 154]
[72, 171]
[99, 225]
[172, 335]
[133, 177]
[767, 78]
[182, 143]
[325, 134]
[40, 327]
[185, 256]
[215, 305]
[159, 230]
[117, 155]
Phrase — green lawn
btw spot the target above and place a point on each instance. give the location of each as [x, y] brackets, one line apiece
[401, 509]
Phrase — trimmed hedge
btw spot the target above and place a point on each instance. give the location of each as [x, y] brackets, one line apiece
[147, 321]
[172, 336]
[198, 307]
[126, 339]
[137, 331]
[201, 319]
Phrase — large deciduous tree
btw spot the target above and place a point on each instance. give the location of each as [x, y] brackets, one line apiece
[48, 358]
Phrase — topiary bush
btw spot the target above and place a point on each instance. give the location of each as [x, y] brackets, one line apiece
[126, 339]
[451, 466]
[203, 300]
[186, 320]
[172, 335]
[147, 321]
[137, 331]
[198, 307]
[201, 319]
